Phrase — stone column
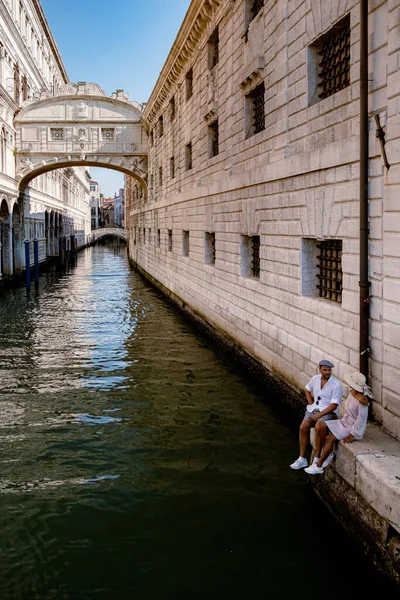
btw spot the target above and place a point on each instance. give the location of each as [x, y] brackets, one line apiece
[10, 244]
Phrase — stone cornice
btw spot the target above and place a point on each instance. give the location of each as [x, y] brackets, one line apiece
[7, 98]
[17, 39]
[53, 46]
[194, 25]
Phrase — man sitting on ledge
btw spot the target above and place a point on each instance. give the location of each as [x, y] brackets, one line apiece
[323, 393]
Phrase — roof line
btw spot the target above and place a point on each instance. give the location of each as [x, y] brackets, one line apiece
[50, 38]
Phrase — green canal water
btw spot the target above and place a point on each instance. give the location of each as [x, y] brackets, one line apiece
[138, 461]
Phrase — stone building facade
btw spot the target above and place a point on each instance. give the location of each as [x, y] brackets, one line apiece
[55, 203]
[251, 217]
[240, 211]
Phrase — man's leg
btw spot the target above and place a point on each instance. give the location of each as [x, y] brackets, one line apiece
[304, 437]
[321, 431]
[328, 447]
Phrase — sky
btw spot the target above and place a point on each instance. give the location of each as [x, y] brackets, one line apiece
[119, 44]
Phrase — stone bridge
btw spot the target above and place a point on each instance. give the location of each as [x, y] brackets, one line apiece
[97, 234]
[80, 126]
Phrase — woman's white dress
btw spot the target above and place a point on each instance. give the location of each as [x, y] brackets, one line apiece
[354, 420]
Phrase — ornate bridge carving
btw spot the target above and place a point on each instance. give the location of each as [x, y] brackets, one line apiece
[79, 126]
[112, 231]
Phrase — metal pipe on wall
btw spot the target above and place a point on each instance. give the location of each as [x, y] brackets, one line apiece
[364, 151]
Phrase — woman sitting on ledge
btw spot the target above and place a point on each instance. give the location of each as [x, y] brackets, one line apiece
[351, 426]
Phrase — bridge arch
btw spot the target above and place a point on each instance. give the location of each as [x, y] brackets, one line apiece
[97, 234]
[80, 126]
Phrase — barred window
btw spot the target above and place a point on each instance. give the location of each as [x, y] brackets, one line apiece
[185, 243]
[256, 6]
[188, 156]
[169, 240]
[172, 108]
[251, 10]
[161, 126]
[250, 256]
[158, 238]
[56, 134]
[213, 49]
[255, 259]
[107, 134]
[328, 62]
[256, 110]
[209, 248]
[189, 84]
[172, 167]
[160, 179]
[334, 59]
[213, 139]
[329, 268]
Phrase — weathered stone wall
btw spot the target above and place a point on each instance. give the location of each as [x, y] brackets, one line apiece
[292, 184]
[295, 181]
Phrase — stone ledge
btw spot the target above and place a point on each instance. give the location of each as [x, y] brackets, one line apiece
[372, 467]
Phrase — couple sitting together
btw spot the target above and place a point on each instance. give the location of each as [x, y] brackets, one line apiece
[324, 393]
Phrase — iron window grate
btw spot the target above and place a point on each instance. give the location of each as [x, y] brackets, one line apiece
[258, 108]
[189, 162]
[214, 49]
[107, 134]
[255, 259]
[212, 247]
[330, 270]
[255, 8]
[56, 134]
[334, 63]
[214, 133]
[189, 84]
[185, 243]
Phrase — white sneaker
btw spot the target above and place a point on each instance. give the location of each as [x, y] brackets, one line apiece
[328, 460]
[316, 459]
[300, 463]
[314, 470]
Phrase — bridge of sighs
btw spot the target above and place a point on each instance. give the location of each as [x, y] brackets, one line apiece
[79, 126]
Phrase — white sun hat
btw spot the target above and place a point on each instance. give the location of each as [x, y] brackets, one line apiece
[358, 382]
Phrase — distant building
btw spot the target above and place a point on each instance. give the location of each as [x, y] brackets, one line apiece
[95, 205]
[119, 208]
[55, 203]
[108, 212]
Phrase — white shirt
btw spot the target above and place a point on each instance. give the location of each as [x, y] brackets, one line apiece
[331, 393]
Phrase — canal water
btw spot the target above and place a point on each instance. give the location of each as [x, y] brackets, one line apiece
[138, 461]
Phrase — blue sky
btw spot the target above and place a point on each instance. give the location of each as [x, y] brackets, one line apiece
[117, 44]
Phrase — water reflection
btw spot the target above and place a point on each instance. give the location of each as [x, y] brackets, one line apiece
[136, 460]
